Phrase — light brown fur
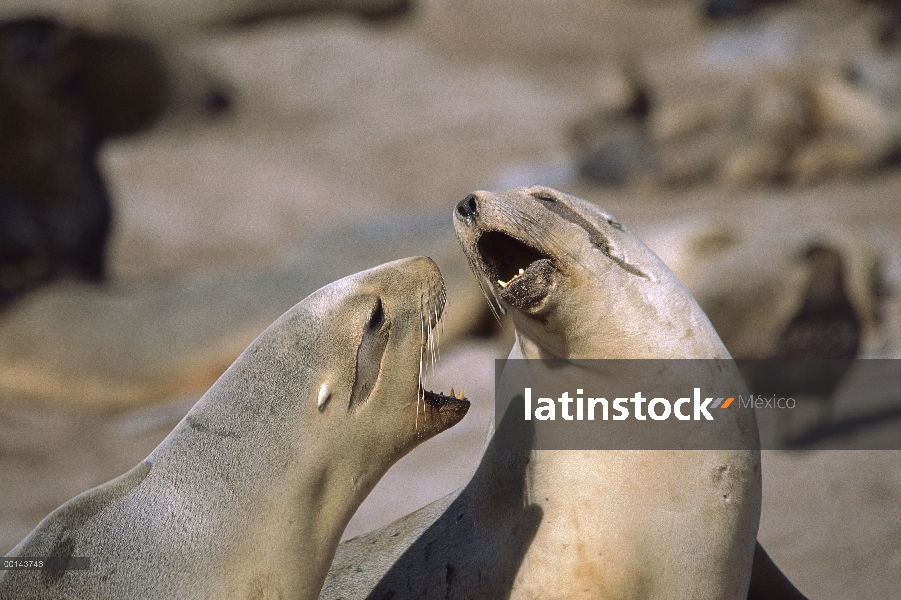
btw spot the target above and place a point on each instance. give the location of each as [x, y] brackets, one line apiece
[575, 524]
[249, 494]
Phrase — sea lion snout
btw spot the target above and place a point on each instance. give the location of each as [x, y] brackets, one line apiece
[508, 255]
[407, 298]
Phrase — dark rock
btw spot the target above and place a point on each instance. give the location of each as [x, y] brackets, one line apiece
[727, 9]
[62, 93]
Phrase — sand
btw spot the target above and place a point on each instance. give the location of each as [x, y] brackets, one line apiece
[335, 122]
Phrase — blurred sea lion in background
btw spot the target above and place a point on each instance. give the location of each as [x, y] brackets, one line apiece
[826, 326]
[62, 93]
[786, 125]
[162, 20]
[24, 247]
[761, 283]
[812, 297]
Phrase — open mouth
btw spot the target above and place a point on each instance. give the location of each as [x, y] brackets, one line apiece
[522, 274]
[439, 399]
[450, 407]
[441, 411]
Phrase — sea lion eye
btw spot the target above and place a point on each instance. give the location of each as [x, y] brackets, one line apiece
[369, 355]
[614, 224]
[377, 317]
[545, 196]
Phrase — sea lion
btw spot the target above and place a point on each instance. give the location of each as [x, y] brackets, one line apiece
[825, 334]
[574, 524]
[752, 276]
[63, 93]
[249, 494]
[826, 325]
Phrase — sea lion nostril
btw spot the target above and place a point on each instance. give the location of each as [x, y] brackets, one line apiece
[468, 207]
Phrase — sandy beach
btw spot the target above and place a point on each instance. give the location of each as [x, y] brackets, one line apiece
[337, 123]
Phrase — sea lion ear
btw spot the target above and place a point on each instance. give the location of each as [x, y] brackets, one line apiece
[325, 392]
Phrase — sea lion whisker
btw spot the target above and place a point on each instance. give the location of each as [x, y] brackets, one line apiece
[435, 340]
[432, 313]
[435, 329]
[420, 394]
[487, 290]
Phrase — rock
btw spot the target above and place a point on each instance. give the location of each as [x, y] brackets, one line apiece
[62, 93]
[154, 341]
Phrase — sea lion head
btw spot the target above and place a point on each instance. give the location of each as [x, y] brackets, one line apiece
[575, 281]
[368, 339]
[333, 386]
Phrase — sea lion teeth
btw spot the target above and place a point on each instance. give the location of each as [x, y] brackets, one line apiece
[529, 290]
[504, 284]
[248, 479]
